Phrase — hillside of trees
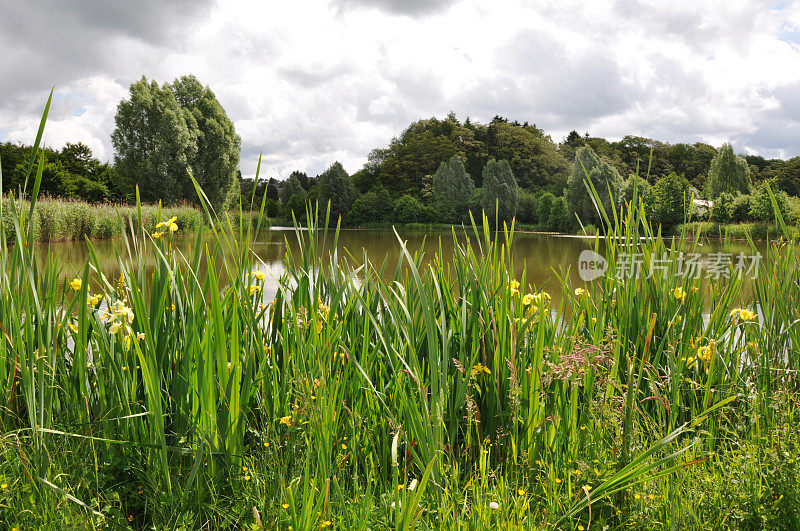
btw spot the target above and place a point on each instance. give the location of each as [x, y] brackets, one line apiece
[436, 171]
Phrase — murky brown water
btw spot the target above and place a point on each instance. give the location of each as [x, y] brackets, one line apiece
[542, 254]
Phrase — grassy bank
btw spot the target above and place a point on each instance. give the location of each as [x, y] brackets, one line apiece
[736, 231]
[57, 220]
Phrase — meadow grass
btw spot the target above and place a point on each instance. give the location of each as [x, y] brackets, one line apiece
[56, 220]
[737, 231]
[393, 396]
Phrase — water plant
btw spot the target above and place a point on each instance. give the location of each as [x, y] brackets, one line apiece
[378, 395]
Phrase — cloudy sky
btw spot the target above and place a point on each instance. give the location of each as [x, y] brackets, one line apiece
[308, 82]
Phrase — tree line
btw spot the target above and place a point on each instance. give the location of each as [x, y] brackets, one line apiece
[436, 171]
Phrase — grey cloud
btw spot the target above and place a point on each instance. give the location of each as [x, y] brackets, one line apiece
[546, 86]
[308, 77]
[399, 7]
[55, 42]
[776, 138]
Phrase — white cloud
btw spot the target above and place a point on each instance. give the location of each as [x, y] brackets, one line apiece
[308, 83]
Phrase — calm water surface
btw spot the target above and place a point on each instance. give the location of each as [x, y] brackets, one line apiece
[544, 255]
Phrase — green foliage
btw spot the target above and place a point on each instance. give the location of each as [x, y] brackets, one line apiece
[532, 155]
[452, 189]
[673, 201]
[440, 394]
[335, 186]
[290, 187]
[408, 209]
[71, 173]
[153, 143]
[216, 158]
[67, 220]
[527, 208]
[545, 206]
[644, 193]
[419, 151]
[722, 209]
[740, 209]
[728, 172]
[295, 207]
[375, 206]
[605, 179]
[559, 219]
[165, 131]
[762, 207]
[500, 192]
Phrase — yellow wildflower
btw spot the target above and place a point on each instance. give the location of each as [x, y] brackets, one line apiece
[514, 287]
[579, 292]
[169, 224]
[679, 294]
[285, 505]
[254, 289]
[247, 478]
[76, 284]
[73, 328]
[747, 315]
[527, 299]
[706, 353]
[286, 420]
[258, 275]
[480, 368]
[157, 235]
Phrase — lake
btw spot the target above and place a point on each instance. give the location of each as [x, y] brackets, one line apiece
[542, 254]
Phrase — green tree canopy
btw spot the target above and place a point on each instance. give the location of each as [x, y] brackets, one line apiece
[163, 132]
[605, 179]
[335, 186]
[532, 155]
[673, 200]
[452, 189]
[728, 173]
[216, 161]
[500, 192]
[290, 187]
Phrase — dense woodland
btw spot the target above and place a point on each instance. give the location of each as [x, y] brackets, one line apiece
[436, 171]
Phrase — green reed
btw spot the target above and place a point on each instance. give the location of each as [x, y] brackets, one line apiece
[390, 395]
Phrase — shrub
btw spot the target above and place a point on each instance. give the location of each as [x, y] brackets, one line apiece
[672, 201]
[528, 208]
[643, 190]
[722, 209]
[408, 209]
[297, 205]
[545, 205]
[761, 207]
[373, 206]
[560, 218]
[740, 209]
